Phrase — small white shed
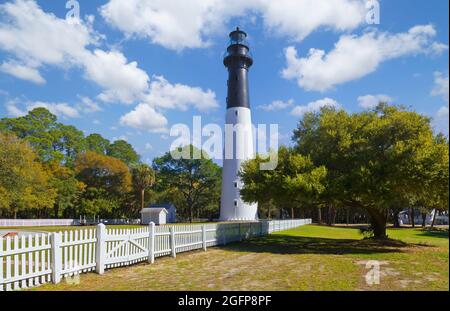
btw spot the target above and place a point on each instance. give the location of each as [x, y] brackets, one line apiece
[156, 215]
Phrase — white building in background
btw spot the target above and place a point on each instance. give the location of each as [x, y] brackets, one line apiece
[238, 60]
[156, 215]
[171, 210]
[441, 218]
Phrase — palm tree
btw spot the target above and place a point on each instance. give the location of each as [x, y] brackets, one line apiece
[143, 179]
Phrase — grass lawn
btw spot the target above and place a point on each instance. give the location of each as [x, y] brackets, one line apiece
[305, 258]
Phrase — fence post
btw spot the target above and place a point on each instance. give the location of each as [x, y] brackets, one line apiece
[55, 240]
[172, 241]
[151, 242]
[204, 237]
[100, 249]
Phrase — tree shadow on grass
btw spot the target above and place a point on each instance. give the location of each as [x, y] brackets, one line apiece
[286, 244]
[443, 234]
[426, 232]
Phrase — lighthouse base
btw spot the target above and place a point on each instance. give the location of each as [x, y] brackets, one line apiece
[246, 212]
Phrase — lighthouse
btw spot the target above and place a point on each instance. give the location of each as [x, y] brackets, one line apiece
[238, 130]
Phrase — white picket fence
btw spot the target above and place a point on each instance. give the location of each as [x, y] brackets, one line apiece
[38, 222]
[37, 259]
[63, 222]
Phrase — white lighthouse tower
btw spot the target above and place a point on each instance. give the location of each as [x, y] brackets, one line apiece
[238, 130]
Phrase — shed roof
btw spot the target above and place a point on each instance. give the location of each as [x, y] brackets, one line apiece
[154, 211]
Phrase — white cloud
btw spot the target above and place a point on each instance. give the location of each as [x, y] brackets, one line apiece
[277, 105]
[145, 117]
[179, 24]
[354, 57]
[59, 109]
[299, 18]
[13, 107]
[173, 24]
[87, 105]
[165, 95]
[35, 39]
[371, 101]
[441, 86]
[121, 137]
[315, 106]
[22, 72]
[441, 83]
[148, 146]
[122, 81]
[13, 110]
[441, 119]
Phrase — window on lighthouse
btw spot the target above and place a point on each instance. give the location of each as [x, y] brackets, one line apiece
[235, 203]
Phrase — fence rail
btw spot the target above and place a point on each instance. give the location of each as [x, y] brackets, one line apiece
[37, 259]
[64, 222]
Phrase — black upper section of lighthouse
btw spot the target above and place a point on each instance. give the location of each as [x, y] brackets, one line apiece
[238, 60]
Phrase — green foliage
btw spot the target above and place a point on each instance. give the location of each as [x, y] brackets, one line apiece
[96, 143]
[24, 184]
[107, 180]
[52, 141]
[143, 179]
[375, 159]
[97, 201]
[123, 151]
[295, 181]
[68, 188]
[71, 174]
[196, 181]
[143, 176]
[103, 172]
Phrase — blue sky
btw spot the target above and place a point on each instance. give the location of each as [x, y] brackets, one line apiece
[131, 69]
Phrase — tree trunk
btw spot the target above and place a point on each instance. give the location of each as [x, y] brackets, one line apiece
[328, 221]
[319, 215]
[292, 213]
[331, 217]
[378, 224]
[411, 216]
[424, 220]
[56, 215]
[142, 199]
[268, 212]
[347, 211]
[396, 221]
